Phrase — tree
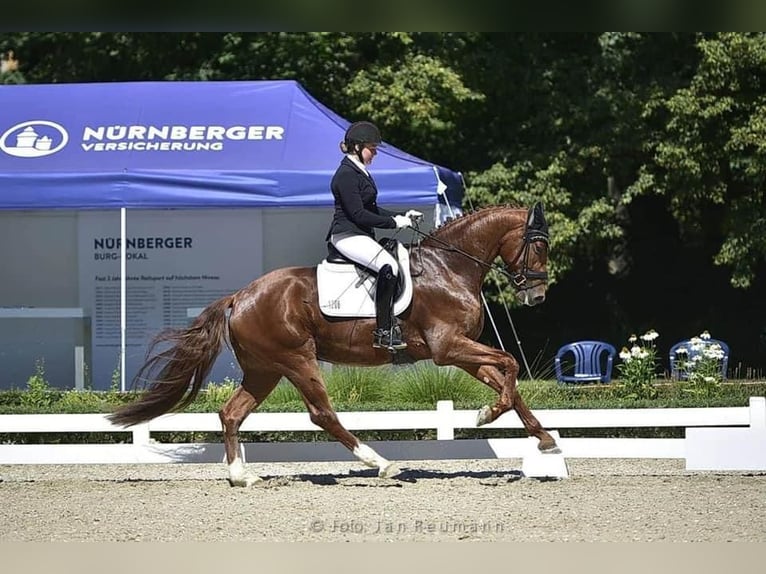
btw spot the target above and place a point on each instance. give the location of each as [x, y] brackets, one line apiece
[9, 69]
[708, 155]
[588, 123]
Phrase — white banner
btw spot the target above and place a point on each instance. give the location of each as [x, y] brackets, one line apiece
[176, 260]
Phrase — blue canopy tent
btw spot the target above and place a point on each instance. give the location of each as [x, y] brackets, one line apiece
[185, 145]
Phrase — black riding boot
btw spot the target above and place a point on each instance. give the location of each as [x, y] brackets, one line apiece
[387, 335]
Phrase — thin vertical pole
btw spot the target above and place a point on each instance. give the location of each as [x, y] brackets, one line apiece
[507, 312]
[79, 368]
[123, 293]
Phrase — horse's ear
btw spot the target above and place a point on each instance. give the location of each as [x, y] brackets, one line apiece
[536, 218]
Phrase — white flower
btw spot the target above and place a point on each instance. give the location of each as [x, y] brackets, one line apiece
[704, 335]
[682, 351]
[650, 335]
[625, 354]
[632, 339]
[714, 351]
[639, 352]
[698, 345]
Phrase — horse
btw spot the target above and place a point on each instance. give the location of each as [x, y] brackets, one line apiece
[276, 329]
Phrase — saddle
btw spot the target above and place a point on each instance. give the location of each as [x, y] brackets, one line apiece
[347, 289]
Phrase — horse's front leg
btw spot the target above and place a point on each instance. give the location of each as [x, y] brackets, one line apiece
[498, 370]
[510, 398]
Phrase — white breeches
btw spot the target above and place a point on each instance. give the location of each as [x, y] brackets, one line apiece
[364, 250]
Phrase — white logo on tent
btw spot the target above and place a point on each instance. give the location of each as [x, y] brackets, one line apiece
[36, 138]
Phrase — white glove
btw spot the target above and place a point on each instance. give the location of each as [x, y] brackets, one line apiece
[414, 215]
[402, 221]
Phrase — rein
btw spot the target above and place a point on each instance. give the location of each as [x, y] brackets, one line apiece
[518, 278]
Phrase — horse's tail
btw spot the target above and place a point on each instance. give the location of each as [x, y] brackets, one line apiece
[182, 368]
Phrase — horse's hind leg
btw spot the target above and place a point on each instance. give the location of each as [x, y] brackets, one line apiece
[308, 380]
[248, 396]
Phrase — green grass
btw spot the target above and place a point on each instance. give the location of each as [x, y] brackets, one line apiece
[416, 387]
[426, 384]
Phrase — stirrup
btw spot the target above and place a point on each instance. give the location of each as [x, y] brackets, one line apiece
[391, 340]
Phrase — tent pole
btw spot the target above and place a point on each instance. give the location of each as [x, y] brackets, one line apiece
[123, 293]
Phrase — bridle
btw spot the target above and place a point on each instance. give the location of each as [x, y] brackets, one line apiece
[518, 278]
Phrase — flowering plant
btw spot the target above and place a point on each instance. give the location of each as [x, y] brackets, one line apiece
[700, 365]
[637, 371]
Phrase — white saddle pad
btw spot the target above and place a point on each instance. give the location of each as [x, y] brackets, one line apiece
[347, 291]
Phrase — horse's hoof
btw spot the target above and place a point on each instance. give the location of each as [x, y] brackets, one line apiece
[549, 449]
[245, 481]
[484, 416]
[391, 469]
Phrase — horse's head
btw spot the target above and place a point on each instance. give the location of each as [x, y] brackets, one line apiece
[526, 261]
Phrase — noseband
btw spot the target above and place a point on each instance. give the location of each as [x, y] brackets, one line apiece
[519, 278]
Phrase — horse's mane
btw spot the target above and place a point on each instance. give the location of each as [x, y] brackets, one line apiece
[454, 223]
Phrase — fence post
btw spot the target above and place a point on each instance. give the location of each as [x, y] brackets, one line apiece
[444, 428]
[141, 434]
[758, 412]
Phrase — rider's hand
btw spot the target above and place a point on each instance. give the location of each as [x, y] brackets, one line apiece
[402, 221]
[414, 215]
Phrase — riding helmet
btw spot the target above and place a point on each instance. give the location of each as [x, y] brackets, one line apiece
[362, 133]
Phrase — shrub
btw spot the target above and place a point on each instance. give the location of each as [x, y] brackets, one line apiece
[38, 393]
[284, 395]
[428, 383]
[349, 385]
[74, 401]
[637, 371]
[699, 366]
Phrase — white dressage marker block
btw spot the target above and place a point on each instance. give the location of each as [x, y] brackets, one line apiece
[536, 464]
[726, 448]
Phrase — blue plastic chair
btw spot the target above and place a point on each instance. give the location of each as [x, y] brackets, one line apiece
[677, 374]
[593, 361]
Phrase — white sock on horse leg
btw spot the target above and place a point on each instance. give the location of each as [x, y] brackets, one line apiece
[372, 459]
[238, 476]
[369, 457]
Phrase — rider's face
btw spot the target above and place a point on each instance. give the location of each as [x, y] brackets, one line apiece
[368, 153]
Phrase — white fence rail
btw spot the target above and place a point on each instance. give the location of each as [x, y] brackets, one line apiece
[720, 438]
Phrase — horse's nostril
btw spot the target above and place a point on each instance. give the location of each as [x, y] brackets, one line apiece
[539, 299]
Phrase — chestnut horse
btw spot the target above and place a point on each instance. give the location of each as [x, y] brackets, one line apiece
[276, 329]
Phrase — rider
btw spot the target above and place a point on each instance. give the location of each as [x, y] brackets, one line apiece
[356, 216]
